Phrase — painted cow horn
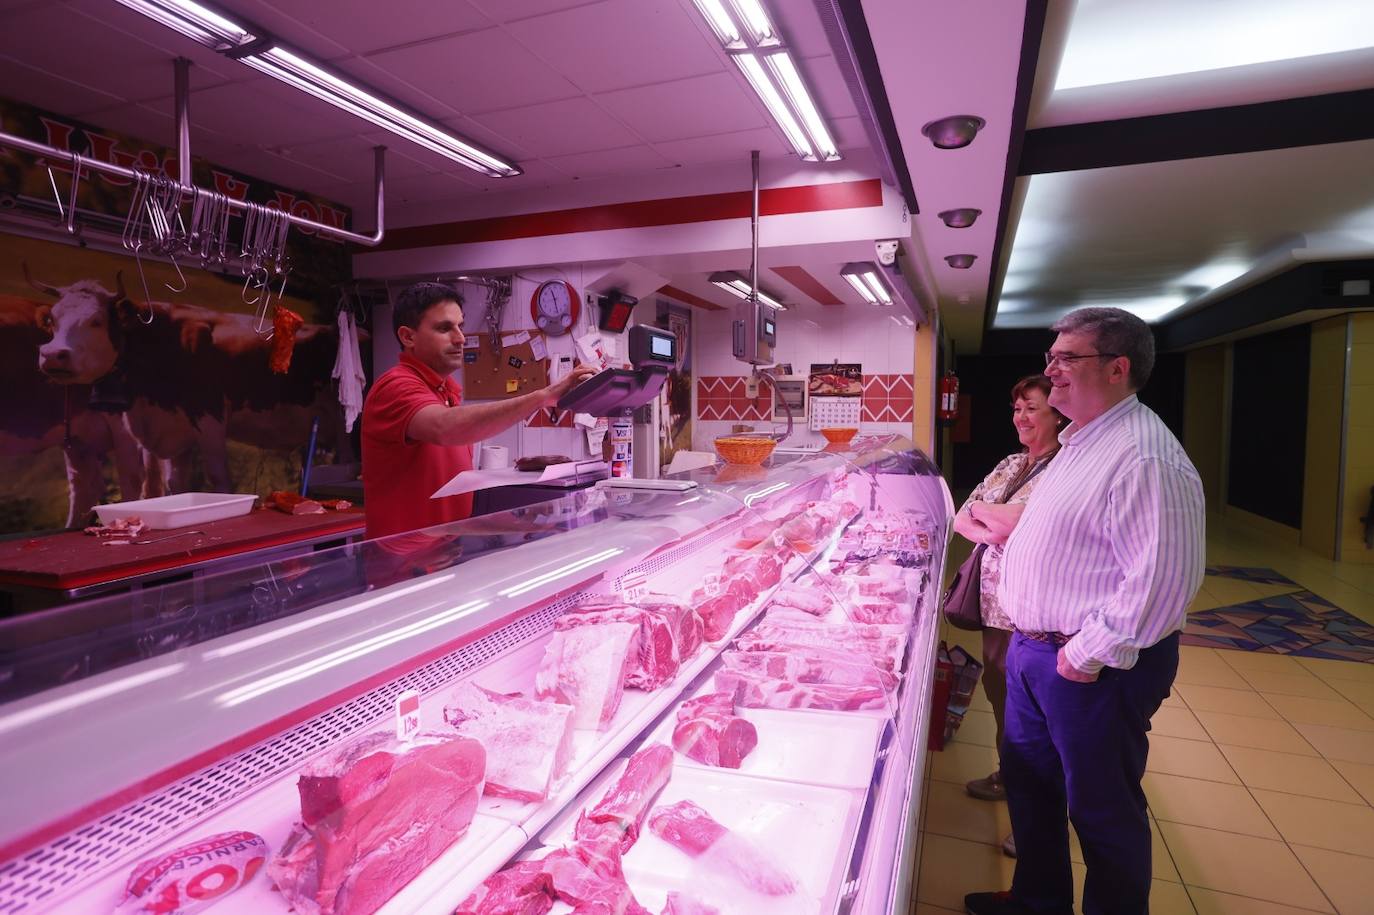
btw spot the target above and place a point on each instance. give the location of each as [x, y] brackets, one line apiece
[41, 287]
[119, 286]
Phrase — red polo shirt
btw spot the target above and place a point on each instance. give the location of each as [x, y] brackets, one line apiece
[400, 474]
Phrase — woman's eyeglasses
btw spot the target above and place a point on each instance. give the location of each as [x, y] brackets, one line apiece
[1065, 359]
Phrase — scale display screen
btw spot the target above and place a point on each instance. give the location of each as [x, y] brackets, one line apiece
[769, 327]
[662, 347]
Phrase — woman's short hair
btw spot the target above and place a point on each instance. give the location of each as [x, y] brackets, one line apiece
[1034, 383]
[1115, 330]
[417, 299]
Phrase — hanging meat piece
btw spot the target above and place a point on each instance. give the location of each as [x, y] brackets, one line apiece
[285, 323]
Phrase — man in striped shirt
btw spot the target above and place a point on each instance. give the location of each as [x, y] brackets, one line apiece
[1097, 577]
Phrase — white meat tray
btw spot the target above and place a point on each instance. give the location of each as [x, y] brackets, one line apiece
[185, 509]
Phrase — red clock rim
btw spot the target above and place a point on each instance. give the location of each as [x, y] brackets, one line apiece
[574, 310]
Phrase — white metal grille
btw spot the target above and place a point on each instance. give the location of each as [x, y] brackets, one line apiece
[85, 853]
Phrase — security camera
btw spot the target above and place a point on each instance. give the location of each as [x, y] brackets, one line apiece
[887, 251]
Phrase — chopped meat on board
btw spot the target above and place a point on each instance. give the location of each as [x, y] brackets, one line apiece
[709, 731]
[528, 742]
[629, 800]
[761, 691]
[690, 829]
[375, 814]
[585, 667]
[811, 664]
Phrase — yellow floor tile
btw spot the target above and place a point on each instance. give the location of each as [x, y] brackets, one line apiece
[1336, 713]
[1329, 669]
[1232, 701]
[1261, 661]
[925, 909]
[1304, 775]
[1261, 733]
[1303, 684]
[1173, 701]
[953, 868]
[1210, 902]
[951, 812]
[1321, 824]
[1177, 722]
[1166, 898]
[1346, 879]
[1207, 670]
[1229, 808]
[1232, 590]
[1339, 743]
[962, 762]
[1360, 776]
[1205, 601]
[1357, 691]
[1243, 865]
[978, 728]
[1190, 758]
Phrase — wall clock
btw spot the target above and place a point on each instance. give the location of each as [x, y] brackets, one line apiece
[555, 307]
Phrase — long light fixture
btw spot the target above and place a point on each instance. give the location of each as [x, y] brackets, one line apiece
[263, 54]
[746, 32]
[867, 282]
[737, 285]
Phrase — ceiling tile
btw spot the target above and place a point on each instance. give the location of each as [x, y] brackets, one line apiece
[559, 128]
[272, 169]
[626, 161]
[724, 147]
[427, 187]
[849, 132]
[483, 136]
[686, 108]
[400, 151]
[621, 43]
[828, 88]
[45, 90]
[356, 25]
[371, 76]
[264, 112]
[351, 158]
[512, 10]
[801, 28]
[479, 71]
[113, 29]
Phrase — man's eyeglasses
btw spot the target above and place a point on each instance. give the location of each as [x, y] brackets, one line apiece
[1065, 359]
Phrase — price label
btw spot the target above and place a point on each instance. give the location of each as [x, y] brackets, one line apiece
[407, 714]
[711, 584]
[634, 587]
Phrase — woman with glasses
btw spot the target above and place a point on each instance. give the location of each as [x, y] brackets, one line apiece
[989, 516]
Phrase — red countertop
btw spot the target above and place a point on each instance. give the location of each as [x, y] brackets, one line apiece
[75, 560]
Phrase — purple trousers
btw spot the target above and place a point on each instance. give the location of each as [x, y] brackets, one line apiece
[1076, 751]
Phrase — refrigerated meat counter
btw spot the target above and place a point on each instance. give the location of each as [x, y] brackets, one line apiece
[707, 699]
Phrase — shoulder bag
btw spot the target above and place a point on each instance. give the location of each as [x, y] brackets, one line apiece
[963, 604]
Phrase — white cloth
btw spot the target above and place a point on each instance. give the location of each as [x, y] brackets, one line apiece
[1110, 548]
[348, 370]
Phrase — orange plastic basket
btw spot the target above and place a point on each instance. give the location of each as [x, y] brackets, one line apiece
[839, 436]
[744, 449]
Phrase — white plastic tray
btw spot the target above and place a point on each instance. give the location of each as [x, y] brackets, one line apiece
[185, 509]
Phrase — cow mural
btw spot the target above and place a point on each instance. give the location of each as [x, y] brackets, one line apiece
[60, 416]
[193, 378]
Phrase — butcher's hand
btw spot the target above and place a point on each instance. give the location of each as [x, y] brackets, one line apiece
[579, 374]
[1069, 672]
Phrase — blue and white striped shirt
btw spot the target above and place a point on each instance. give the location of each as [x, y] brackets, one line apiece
[1110, 548]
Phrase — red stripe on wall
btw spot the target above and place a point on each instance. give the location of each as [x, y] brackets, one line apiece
[667, 211]
[688, 298]
[808, 284]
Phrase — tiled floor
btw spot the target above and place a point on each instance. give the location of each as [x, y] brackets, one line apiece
[1261, 771]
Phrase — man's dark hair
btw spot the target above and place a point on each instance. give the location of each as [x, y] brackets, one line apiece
[415, 300]
[1115, 330]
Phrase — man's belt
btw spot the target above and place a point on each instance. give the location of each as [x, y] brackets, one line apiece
[1049, 638]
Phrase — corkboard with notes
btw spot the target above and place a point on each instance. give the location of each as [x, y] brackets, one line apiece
[518, 369]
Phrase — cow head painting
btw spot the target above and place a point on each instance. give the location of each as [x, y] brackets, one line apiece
[86, 324]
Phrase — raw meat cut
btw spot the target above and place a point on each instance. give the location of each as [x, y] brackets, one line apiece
[716, 612]
[880, 611]
[885, 650]
[690, 829]
[811, 664]
[682, 904]
[524, 888]
[709, 731]
[656, 661]
[588, 889]
[893, 589]
[761, 569]
[585, 667]
[627, 803]
[812, 600]
[375, 815]
[757, 691]
[685, 623]
[528, 742]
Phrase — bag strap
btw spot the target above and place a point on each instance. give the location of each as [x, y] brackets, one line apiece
[1023, 478]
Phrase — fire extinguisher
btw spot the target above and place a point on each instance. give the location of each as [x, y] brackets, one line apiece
[949, 398]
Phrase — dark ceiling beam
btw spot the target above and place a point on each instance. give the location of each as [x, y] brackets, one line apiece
[1031, 34]
[1313, 120]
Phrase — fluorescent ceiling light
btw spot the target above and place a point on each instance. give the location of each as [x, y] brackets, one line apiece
[864, 278]
[737, 285]
[209, 28]
[746, 31]
[194, 21]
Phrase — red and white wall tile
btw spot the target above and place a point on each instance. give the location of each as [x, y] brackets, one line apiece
[724, 398]
[888, 399]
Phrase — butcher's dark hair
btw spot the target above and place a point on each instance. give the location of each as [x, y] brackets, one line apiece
[415, 300]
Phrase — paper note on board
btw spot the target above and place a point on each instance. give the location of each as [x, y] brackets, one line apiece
[515, 339]
[538, 349]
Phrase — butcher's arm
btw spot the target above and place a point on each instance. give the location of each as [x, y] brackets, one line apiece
[463, 425]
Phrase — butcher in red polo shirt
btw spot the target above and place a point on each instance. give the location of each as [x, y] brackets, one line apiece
[416, 435]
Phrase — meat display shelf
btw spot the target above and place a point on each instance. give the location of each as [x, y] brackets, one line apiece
[210, 734]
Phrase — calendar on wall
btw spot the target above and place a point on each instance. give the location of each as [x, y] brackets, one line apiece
[835, 412]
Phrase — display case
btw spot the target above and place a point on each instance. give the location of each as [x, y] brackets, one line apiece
[760, 644]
